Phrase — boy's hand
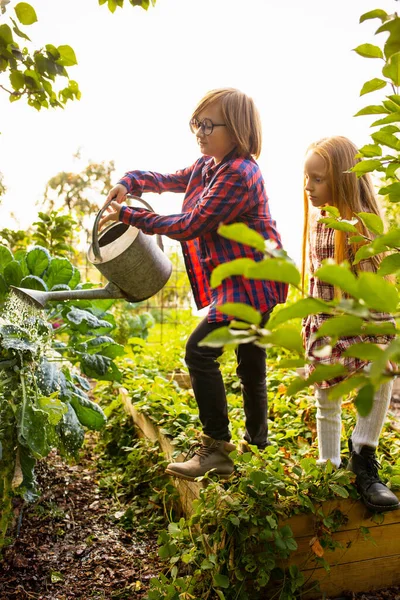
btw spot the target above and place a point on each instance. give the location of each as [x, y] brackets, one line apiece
[112, 213]
[117, 193]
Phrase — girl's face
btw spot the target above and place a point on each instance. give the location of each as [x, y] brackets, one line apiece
[316, 180]
[218, 143]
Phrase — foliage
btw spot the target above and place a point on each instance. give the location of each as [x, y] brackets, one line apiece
[132, 469]
[44, 397]
[114, 4]
[235, 543]
[55, 232]
[16, 240]
[79, 193]
[31, 74]
[130, 323]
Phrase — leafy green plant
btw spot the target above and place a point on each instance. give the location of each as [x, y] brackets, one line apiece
[132, 469]
[32, 75]
[352, 315]
[44, 396]
[55, 232]
[114, 4]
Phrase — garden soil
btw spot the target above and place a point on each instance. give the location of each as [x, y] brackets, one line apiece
[71, 547]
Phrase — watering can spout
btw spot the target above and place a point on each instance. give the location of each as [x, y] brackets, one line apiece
[134, 265]
[39, 299]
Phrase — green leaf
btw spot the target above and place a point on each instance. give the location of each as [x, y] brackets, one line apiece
[371, 221]
[32, 429]
[229, 269]
[274, 269]
[241, 233]
[339, 224]
[392, 118]
[392, 190]
[25, 13]
[369, 51]
[32, 282]
[364, 400]
[38, 259]
[221, 580]
[3, 288]
[75, 279]
[392, 45]
[17, 79]
[342, 326]
[365, 252]
[67, 56]
[370, 150]
[339, 490]
[13, 273]
[374, 14]
[365, 351]
[390, 264]
[367, 166]
[377, 293]
[320, 374]
[392, 69]
[372, 86]
[85, 321]
[391, 238]
[354, 239]
[345, 387]
[59, 271]
[71, 433]
[99, 367]
[6, 35]
[6, 257]
[386, 139]
[339, 276]
[373, 109]
[241, 311]
[53, 407]
[90, 415]
[224, 335]
[18, 32]
[103, 345]
[300, 309]
[286, 337]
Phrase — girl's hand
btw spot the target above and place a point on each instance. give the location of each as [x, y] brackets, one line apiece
[112, 213]
[117, 193]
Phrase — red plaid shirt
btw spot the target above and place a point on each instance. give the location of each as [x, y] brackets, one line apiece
[228, 192]
[322, 246]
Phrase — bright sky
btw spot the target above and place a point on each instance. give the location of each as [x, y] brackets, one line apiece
[141, 74]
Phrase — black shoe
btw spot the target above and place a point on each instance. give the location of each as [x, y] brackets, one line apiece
[375, 494]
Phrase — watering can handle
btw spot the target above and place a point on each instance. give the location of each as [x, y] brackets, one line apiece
[95, 233]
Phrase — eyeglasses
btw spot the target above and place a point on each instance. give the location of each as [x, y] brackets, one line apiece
[206, 126]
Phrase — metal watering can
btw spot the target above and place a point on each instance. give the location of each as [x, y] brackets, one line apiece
[135, 266]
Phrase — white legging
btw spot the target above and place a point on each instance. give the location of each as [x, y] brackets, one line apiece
[366, 431]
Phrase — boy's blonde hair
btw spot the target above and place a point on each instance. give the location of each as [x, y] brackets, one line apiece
[241, 117]
[349, 194]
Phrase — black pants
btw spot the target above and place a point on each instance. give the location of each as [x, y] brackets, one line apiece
[209, 390]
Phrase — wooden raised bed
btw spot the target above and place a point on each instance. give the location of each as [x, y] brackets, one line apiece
[364, 563]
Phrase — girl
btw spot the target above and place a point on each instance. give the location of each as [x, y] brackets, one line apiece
[327, 182]
[225, 185]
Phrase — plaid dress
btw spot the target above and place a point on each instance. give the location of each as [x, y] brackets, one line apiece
[322, 246]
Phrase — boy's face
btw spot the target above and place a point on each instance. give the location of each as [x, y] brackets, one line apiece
[218, 143]
[316, 180]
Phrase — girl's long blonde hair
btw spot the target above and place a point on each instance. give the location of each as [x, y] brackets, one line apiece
[349, 195]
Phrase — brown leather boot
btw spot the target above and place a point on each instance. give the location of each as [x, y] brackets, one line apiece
[212, 455]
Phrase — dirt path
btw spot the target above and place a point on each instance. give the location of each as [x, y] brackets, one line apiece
[70, 546]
